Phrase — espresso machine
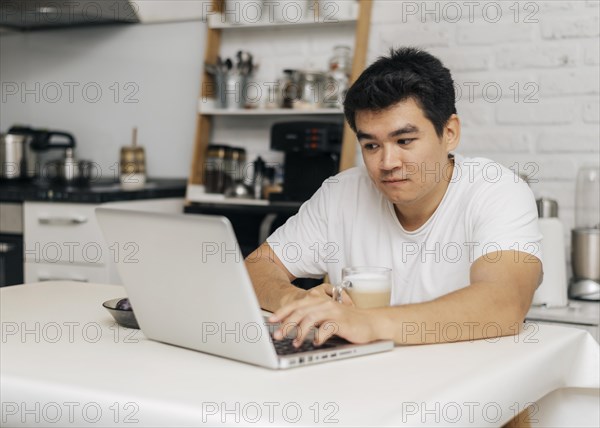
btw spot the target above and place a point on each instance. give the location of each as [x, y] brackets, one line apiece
[312, 153]
[585, 237]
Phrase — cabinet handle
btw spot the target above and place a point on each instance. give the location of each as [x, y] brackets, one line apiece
[5, 247]
[57, 278]
[64, 221]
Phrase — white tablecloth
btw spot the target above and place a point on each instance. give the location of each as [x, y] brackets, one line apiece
[65, 362]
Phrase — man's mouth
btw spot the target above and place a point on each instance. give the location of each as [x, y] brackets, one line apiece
[394, 180]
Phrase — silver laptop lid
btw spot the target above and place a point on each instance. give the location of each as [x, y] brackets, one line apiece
[187, 282]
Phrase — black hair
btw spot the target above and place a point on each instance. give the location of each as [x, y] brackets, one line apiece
[406, 73]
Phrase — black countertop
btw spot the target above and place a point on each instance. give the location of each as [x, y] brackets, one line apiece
[98, 191]
[283, 208]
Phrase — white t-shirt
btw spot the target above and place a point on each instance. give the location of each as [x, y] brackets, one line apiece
[349, 222]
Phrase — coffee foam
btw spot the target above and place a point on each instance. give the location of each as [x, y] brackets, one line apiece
[369, 282]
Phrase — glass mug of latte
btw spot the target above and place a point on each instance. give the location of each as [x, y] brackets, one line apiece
[368, 287]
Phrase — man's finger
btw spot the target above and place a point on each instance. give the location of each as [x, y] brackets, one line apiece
[284, 311]
[293, 316]
[325, 331]
[346, 300]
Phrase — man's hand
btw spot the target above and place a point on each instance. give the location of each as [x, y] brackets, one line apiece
[346, 321]
[326, 290]
[322, 291]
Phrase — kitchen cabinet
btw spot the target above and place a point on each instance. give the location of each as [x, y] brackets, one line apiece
[206, 113]
[50, 229]
[62, 241]
[577, 314]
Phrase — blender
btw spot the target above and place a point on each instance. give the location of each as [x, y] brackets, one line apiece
[585, 237]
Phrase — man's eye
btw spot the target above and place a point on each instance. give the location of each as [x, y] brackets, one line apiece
[405, 141]
[370, 146]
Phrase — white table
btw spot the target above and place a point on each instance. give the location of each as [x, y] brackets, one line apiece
[580, 314]
[64, 362]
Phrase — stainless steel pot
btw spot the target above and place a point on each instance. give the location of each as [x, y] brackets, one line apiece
[18, 160]
[70, 170]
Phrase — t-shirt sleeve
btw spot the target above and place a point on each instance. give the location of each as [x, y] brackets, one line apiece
[505, 218]
[298, 241]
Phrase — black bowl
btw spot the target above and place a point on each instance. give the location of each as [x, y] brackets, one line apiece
[123, 318]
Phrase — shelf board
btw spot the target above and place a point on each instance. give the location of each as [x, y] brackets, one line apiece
[211, 111]
[216, 22]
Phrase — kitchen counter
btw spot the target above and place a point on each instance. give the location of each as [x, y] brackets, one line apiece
[283, 208]
[62, 352]
[98, 191]
[576, 312]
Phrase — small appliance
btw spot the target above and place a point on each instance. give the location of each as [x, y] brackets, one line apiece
[585, 237]
[312, 152]
[20, 149]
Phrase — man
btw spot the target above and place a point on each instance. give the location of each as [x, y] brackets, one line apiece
[460, 235]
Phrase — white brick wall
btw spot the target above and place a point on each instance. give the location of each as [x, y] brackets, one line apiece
[527, 73]
[548, 128]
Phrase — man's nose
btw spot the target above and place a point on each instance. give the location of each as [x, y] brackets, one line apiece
[391, 158]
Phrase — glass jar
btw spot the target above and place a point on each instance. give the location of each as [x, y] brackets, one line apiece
[312, 86]
[236, 164]
[214, 168]
[338, 76]
[290, 88]
[341, 61]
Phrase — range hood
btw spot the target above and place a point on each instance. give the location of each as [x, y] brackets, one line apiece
[26, 15]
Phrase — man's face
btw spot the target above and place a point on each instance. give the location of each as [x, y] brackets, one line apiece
[404, 156]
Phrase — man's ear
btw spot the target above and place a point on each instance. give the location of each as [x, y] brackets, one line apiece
[452, 133]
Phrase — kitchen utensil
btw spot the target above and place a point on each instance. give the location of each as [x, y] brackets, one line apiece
[585, 237]
[338, 76]
[585, 261]
[271, 185]
[259, 177]
[290, 88]
[586, 248]
[125, 318]
[17, 157]
[251, 65]
[70, 170]
[20, 147]
[552, 292]
[239, 190]
[235, 164]
[133, 165]
[235, 91]
[211, 69]
[245, 63]
[312, 86]
[368, 286]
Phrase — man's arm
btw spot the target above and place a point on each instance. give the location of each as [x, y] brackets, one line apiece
[494, 304]
[271, 280]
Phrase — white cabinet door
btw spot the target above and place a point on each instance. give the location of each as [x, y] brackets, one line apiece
[63, 233]
[39, 272]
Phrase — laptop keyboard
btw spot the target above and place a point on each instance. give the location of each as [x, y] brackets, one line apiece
[286, 347]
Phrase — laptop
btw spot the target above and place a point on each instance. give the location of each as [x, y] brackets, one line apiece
[188, 285]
